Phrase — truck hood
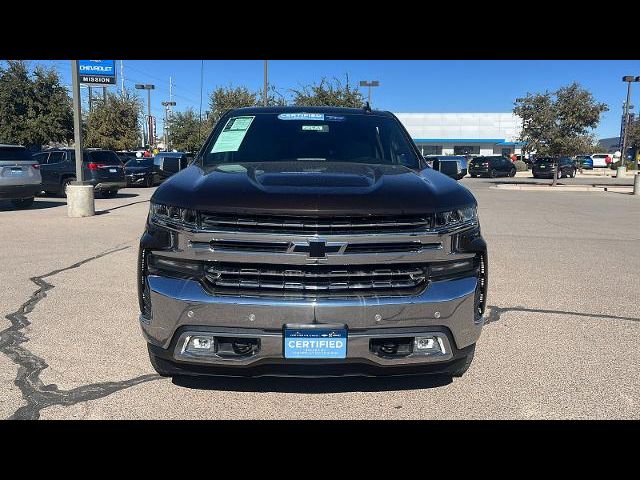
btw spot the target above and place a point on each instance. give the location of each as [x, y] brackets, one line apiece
[312, 188]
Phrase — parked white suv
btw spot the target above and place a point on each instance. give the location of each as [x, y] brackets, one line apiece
[20, 179]
[601, 160]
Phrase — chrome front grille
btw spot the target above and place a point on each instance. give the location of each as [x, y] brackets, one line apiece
[309, 225]
[316, 280]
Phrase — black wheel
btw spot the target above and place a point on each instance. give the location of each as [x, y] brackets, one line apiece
[22, 202]
[160, 365]
[512, 172]
[65, 184]
[461, 369]
[573, 173]
[492, 173]
[149, 181]
[473, 175]
[109, 193]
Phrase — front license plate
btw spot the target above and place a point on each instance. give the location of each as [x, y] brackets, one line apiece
[16, 171]
[113, 170]
[315, 343]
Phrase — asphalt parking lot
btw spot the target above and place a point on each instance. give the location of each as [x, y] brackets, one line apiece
[560, 340]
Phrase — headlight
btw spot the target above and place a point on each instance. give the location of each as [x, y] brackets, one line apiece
[453, 218]
[177, 215]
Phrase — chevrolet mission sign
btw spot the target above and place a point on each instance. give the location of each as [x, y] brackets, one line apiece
[97, 72]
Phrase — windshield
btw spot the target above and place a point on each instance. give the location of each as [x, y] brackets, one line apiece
[104, 157]
[272, 137]
[139, 162]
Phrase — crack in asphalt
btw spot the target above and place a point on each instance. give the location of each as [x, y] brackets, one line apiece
[496, 313]
[30, 366]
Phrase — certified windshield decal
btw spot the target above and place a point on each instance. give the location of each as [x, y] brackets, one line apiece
[232, 134]
[301, 116]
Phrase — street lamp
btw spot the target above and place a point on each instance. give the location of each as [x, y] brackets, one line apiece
[166, 106]
[148, 87]
[373, 83]
[629, 79]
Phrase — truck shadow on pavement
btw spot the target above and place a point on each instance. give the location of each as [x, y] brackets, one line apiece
[37, 205]
[313, 385]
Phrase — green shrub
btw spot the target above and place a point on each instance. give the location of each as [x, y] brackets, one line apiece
[628, 164]
[520, 166]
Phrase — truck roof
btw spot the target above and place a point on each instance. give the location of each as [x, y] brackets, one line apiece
[329, 110]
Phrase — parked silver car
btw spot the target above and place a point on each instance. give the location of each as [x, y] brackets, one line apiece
[20, 179]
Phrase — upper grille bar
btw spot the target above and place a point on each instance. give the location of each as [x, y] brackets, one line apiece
[314, 225]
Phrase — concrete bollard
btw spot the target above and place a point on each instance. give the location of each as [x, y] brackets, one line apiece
[80, 201]
[636, 184]
[620, 172]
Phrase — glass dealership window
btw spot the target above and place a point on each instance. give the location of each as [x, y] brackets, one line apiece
[466, 150]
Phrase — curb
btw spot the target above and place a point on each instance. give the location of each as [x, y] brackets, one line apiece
[564, 188]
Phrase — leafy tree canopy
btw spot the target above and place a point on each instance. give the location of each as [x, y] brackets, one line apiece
[114, 125]
[561, 122]
[329, 93]
[186, 132]
[35, 109]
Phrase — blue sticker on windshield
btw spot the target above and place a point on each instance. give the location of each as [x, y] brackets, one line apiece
[301, 116]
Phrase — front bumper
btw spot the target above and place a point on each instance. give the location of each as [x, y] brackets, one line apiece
[137, 179]
[15, 192]
[180, 307]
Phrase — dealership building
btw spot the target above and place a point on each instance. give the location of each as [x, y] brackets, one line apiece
[464, 133]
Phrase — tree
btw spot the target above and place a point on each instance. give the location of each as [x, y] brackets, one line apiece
[186, 132]
[559, 123]
[35, 108]
[223, 99]
[114, 125]
[328, 93]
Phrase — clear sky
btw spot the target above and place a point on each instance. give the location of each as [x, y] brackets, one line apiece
[405, 85]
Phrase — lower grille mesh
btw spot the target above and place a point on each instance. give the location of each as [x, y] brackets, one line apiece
[316, 280]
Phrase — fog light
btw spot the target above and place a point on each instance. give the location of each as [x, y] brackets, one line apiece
[429, 345]
[200, 344]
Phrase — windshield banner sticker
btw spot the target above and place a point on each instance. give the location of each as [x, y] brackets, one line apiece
[315, 128]
[301, 116]
[232, 134]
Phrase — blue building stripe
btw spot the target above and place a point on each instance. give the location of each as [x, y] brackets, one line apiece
[459, 140]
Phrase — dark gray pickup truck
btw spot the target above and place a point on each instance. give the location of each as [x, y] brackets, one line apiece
[311, 241]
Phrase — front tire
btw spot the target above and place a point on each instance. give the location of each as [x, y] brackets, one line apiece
[492, 173]
[65, 184]
[462, 369]
[149, 181]
[23, 202]
[512, 172]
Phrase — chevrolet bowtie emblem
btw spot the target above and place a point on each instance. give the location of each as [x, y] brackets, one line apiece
[317, 248]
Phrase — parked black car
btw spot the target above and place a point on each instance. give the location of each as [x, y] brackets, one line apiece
[101, 168]
[545, 166]
[492, 166]
[168, 163]
[454, 166]
[141, 172]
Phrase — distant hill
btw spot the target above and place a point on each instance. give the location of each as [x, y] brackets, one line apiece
[609, 145]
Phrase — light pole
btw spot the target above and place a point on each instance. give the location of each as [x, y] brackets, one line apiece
[265, 100]
[166, 106]
[148, 87]
[373, 83]
[621, 168]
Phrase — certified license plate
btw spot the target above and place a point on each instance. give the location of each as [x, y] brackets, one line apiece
[315, 342]
[16, 171]
[113, 170]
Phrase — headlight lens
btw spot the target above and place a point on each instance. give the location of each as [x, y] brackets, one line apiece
[165, 213]
[452, 218]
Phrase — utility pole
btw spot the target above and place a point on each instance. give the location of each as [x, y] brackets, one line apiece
[623, 158]
[148, 87]
[121, 76]
[90, 98]
[167, 106]
[265, 97]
